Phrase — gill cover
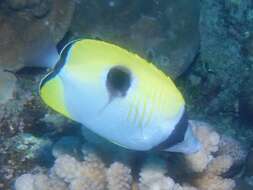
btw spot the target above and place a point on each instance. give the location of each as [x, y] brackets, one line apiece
[118, 95]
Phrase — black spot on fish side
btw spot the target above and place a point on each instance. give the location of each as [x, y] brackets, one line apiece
[118, 81]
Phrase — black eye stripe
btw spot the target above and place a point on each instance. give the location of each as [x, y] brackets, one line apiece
[176, 136]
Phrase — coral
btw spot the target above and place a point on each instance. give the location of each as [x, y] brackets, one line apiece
[209, 140]
[24, 182]
[68, 174]
[211, 166]
[119, 177]
[233, 148]
[67, 168]
[153, 176]
[220, 165]
[85, 184]
[208, 167]
[211, 178]
[93, 171]
[150, 180]
[38, 182]
[42, 182]
[213, 182]
[157, 180]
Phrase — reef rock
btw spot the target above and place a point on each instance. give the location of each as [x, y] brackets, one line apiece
[246, 100]
[7, 86]
[165, 32]
[33, 26]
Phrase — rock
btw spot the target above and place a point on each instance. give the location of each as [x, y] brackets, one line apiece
[249, 164]
[7, 86]
[32, 25]
[59, 19]
[221, 67]
[22, 4]
[246, 101]
[159, 31]
[248, 47]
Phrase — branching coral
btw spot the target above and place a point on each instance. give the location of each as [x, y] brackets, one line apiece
[67, 168]
[39, 182]
[119, 177]
[68, 174]
[153, 176]
[204, 161]
[93, 172]
[209, 140]
[211, 179]
[208, 167]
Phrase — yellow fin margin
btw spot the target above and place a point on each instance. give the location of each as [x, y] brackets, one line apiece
[52, 93]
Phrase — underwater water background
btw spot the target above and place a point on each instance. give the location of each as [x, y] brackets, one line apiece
[205, 46]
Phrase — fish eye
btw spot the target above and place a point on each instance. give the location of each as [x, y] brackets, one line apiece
[118, 81]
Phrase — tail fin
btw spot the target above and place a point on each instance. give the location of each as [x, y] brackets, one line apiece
[189, 145]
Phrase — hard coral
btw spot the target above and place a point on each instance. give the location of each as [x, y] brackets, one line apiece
[212, 166]
[38, 182]
[233, 148]
[153, 176]
[150, 180]
[93, 171]
[213, 182]
[209, 140]
[119, 177]
[209, 165]
[67, 174]
[67, 168]
[211, 179]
